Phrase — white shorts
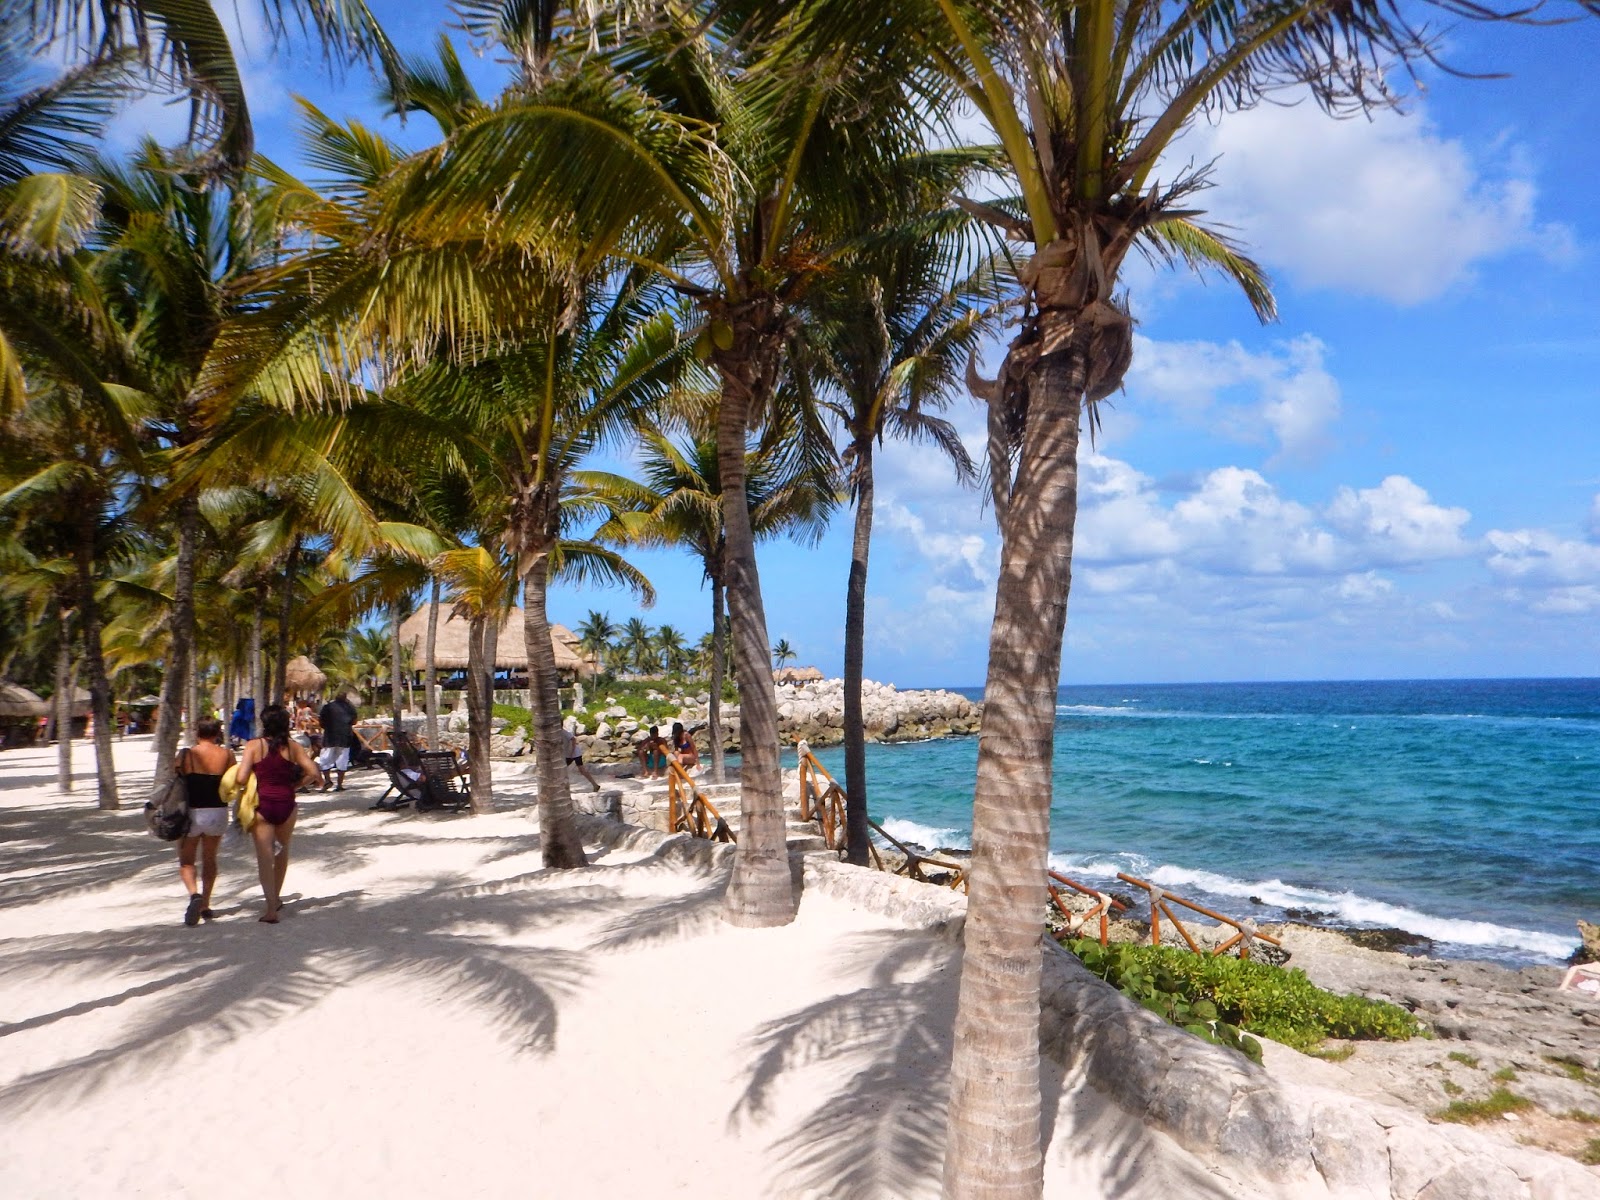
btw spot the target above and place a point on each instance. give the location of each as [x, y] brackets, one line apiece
[207, 822]
[334, 758]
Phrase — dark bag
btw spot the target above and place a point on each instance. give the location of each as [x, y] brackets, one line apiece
[166, 813]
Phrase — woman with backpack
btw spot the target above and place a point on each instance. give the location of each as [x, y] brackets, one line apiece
[202, 766]
[278, 764]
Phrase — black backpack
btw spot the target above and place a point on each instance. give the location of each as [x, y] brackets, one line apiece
[166, 813]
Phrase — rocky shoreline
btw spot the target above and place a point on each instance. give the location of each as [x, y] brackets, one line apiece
[813, 711]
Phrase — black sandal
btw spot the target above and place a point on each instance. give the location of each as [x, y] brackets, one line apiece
[191, 915]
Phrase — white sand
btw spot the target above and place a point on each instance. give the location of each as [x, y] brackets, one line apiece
[437, 1016]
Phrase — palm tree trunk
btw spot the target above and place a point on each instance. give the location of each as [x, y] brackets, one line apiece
[993, 1148]
[94, 659]
[394, 662]
[176, 692]
[430, 677]
[482, 634]
[719, 650]
[760, 891]
[257, 617]
[280, 668]
[855, 634]
[63, 701]
[559, 842]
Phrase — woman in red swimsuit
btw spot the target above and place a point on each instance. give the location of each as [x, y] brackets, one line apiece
[278, 765]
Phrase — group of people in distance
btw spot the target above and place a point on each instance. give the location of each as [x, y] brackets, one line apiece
[283, 766]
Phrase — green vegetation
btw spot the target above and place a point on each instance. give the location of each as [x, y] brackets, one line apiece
[1333, 1053]
[1452, 1088]
[1464, 1059]
[1570, 1069]
[1496, 1104]
[1222, 998]
[1589, 1156]
[1505, 1075]
[1582, 1116]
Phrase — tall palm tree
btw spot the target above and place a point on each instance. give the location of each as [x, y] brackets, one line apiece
[1085, 98]
[897, 331]
[782, 653]
[744, 220]
[670, 646]
[595, 635]
[638, 642]
[788, 485]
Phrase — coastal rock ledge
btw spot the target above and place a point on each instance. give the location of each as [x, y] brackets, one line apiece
[813, 711]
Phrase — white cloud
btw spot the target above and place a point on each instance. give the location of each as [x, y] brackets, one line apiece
[1571, 601]
[1396, 522]
[1365, 587]
[1537, 556]
[1286, 391]
[1385, 206]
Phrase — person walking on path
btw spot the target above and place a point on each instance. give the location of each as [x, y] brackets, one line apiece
[202, 766]
[338, 717]
[278, 764]
[574, 753]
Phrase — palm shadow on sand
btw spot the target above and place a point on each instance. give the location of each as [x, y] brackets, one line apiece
[881, 1131]
[465, 943]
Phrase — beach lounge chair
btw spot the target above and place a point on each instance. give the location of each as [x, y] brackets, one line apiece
[442, 782]
[403, 764]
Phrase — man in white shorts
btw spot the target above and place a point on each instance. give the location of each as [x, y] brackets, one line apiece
[338, 717]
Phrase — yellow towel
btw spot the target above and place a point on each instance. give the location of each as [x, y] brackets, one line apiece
[230, 791]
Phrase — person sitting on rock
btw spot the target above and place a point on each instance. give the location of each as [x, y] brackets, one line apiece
[653, 755]
[683, 746]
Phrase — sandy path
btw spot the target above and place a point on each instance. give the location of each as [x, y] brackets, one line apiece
[436, 1016]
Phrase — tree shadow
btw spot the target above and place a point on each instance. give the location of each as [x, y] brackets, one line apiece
[461, 945]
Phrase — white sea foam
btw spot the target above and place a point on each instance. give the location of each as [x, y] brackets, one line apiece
[1362, 910]
[927, 836]
[1099, 867]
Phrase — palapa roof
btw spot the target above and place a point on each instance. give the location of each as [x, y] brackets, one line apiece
[797, 675]
[302, 675]
[450, 646]
[18, 701]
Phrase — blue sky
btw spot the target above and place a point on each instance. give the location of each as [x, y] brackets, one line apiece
[1398, 479]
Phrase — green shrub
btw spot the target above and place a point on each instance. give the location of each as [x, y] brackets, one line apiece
[632, 694]
[1505, 1075]
[1582, 1116]
[1590, 1154]
[1496, 1104]
[514, 715]
[1464, 1059]
[1227, 996]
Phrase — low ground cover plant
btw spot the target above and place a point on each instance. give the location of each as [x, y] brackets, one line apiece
[1224, 999]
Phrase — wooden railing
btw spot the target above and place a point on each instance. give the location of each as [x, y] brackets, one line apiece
[1103, 904]
[688, 811]
[1245, 936]
[824, 805]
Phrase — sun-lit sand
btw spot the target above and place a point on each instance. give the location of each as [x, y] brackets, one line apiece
[436, 1015]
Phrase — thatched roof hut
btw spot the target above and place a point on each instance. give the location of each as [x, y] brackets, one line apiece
[450, 647]
[797, 675]
[302, 675]
[18, 701]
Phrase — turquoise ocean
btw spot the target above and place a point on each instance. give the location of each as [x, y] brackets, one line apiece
[1466, 811]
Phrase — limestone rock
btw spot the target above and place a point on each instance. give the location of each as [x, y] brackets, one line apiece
[1589, 951]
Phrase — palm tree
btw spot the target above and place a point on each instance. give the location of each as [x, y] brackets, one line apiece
[745, 221]
[897, 331]
[595, 635]
[782, 653]
[638, 643]
[187, 45]
[789, 486]
[369, 655]
[670, 646]
[481, 584]
[1085, 98]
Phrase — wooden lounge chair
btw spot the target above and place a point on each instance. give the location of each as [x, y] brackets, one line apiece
[442, 782]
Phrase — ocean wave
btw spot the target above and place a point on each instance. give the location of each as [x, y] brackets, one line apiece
[1100, 866]
[1362, 910]
[928, 836]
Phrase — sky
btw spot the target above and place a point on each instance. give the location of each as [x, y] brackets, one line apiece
[1400, 478]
